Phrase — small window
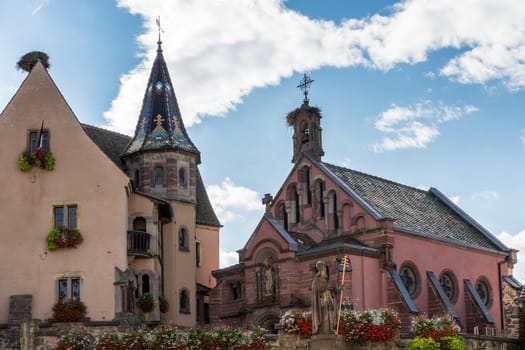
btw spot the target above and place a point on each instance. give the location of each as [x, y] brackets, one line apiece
[139, 224]
[184, 301]
[136, 179]
[183, 239]
[182, 178]
[159, 176]
[33, 141]
[65, 216]
[68, 288]
[197, 253]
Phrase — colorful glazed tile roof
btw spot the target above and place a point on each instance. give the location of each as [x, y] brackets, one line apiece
[160, 124]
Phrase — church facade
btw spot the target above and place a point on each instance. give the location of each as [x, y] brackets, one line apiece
[409, 249]
[139, 205]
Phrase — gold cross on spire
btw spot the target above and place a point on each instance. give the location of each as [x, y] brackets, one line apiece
[158, 121]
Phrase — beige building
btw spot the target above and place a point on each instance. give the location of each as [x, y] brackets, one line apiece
[139, 204]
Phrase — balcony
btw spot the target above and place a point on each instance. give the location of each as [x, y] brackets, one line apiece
[138, 243]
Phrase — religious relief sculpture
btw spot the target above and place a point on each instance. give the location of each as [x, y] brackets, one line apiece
[268, 278]
[324, 302]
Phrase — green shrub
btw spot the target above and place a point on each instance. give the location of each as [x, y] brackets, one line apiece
[421, 343]
[452, 343]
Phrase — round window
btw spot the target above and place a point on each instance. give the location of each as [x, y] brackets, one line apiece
[409, 278]
[448, 284]
[483, 289]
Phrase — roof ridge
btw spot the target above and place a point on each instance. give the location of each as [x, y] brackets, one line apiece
[103, 129]
[377, 177]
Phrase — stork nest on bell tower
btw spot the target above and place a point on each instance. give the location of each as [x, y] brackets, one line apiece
[28, 61]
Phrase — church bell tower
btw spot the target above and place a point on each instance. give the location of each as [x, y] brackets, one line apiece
[306, 122]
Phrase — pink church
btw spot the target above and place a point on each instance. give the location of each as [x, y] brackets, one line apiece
[409, 249]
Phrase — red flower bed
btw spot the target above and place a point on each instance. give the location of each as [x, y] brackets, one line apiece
[69, 311]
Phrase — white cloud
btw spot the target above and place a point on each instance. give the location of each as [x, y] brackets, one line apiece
[415, 126]
[486, 195]
[517, 242]
[38, 7]
[228, 258]
[455, 199]
[231, 201]
[216, 60]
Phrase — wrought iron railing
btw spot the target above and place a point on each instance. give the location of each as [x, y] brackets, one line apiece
[138, 242]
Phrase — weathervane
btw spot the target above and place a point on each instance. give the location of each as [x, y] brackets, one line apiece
[304, 84]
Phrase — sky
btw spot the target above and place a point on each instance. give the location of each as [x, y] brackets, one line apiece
[424, 93]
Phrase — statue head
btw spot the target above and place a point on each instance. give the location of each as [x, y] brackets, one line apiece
[321, 267]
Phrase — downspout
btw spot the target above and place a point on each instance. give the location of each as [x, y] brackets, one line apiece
[500, 288]
[161, 258]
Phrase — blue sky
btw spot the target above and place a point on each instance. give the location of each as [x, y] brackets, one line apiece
[422, 93]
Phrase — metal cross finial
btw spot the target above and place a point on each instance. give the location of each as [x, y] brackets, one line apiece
[304, 84]
[157, 20]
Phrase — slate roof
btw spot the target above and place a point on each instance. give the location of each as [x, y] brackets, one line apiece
[205, 213]
[113, 144]
[160, 124]
[416, 211]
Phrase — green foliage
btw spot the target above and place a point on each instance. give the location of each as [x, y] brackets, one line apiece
[24, 162]
[164, 306]
[422, 343]
[452, 343]
[63, 238]
[145, 302]
[73, 341]
[27, 160]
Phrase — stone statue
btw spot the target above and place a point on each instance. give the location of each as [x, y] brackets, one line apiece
[268, 280]
[324, 305]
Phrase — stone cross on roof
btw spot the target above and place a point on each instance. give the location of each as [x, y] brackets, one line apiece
[304, 84]
[267, 201]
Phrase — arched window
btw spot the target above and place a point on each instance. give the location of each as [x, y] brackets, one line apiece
[145, 284]
[184, 301]
[305, 133]
[183, 239]
[333, 219]
[159, 176]
[320, 199]
[139, 224]
[297, 207]
[305, 179]
[183, 182]
[283, 215]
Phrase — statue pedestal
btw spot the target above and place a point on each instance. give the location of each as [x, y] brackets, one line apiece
[327, 342]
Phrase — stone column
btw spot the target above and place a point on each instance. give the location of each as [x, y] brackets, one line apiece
[20, 307]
